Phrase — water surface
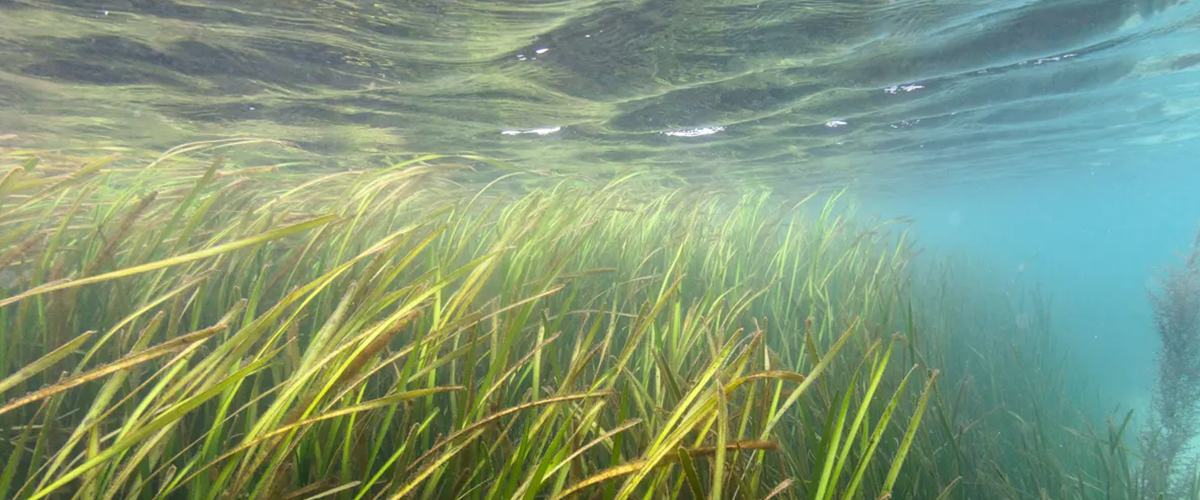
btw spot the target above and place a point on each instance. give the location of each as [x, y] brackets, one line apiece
[887, 94]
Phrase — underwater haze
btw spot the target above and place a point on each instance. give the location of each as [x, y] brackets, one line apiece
[565, 249]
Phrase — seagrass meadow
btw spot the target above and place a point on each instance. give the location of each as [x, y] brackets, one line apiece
[185, 327]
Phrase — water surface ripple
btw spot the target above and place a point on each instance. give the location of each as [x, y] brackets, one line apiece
[886, 93]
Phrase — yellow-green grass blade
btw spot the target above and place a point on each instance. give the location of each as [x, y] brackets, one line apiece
[813, 374]
[396, 455]
[285, 429]
[637, 465]
[44, 362]
[909, 435]
[689, 470]
[876, 436]
[722, 438]
[122, 364]
[435, 465]
[153, 426]
[826, 481]
[173, 261]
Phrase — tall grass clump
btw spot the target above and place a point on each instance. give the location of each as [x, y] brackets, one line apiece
[1175, 408]
[186, 329]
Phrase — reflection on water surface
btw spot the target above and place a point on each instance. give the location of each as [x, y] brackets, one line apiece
[761, 91]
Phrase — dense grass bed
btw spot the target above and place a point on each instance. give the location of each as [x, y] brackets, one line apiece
[187, 329]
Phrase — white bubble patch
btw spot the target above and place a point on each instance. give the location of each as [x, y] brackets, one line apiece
[536, 131]
[695, 132]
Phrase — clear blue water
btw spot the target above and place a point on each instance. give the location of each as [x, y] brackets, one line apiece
[1094, 240]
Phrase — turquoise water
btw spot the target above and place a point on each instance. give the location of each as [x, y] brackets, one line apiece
[1094, 240]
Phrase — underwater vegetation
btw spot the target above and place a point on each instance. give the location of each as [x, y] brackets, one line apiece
[182, 327]
[1176, 405]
